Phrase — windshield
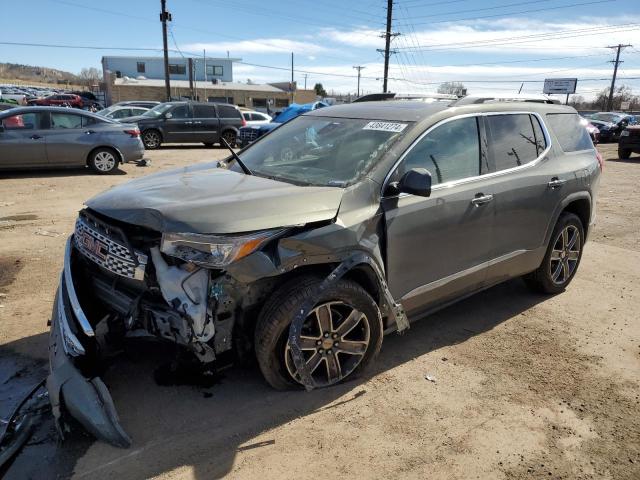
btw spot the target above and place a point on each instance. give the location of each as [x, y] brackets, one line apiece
[606, 117]
[321, 150]
[158, 110]
[106, 111]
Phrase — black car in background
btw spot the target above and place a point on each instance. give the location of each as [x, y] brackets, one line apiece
[611, 124]
[188, 122]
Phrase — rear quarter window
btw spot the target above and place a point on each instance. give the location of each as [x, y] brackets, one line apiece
[228, 112]
[572, 136]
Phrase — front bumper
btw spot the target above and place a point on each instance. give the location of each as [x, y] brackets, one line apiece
[84, 398]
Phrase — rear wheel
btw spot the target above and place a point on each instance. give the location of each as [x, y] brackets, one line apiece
[340, 337]
[562, 259]
[151, 139]
[103, 161]
[624, 153]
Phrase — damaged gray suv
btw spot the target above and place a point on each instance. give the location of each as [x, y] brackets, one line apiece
[305, 248]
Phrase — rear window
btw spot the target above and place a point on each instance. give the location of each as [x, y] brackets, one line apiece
[228, 112]
[204, 111]
[512, 140]
[573, 136]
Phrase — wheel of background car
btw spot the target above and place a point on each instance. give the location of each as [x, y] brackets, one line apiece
[340, 338]
[103, 161]
[562, 259]
[230, 136]
[624, 153]
[151, 139]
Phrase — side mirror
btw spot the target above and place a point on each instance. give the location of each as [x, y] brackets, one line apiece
[416, 181]
[168, 115]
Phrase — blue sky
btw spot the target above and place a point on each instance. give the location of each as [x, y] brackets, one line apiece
[490, 45]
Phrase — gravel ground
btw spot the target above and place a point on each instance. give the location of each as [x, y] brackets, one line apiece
[524, 386]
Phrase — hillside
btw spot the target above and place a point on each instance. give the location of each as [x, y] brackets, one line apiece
[28, 73]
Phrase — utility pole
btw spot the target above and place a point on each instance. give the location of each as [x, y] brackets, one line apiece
[358, 67]
[291, 77]
[387, 35]
[615, 62]
[164, 18]
[305, 80]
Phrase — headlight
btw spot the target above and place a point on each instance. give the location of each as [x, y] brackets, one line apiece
[213, 250]
[624, 133]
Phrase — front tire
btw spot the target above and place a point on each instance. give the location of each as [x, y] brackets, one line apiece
[562, 259]
[340, 338]
[624, 153]
[152, 139]
[103, 161]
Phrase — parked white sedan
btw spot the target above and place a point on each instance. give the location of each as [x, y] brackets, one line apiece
[256, 118]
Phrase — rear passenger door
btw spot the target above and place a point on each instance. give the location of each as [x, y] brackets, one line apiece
[206, 123]
[230, 117]
[69, 139]
[524, 200]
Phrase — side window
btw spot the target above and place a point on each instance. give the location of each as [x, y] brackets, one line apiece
[137, 111]
[512, 142]
[125, 112]
[26, 121]
[181, 111]
[571, 134]
[247, 116]
[65, 120]
[88, 121]
[204, 111]
[450, 152]
[541, 142]
[228, 112]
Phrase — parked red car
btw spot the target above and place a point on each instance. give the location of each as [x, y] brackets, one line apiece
[59, 100]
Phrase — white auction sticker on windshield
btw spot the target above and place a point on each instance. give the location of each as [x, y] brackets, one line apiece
[385, 126]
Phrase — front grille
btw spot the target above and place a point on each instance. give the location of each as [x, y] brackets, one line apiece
[97, 241]
[249, 134]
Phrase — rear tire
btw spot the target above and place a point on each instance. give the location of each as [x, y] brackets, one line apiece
[152, 139]
[624, 154]
[562, 259]
[340, 301]
[230, 136]
[103, 161]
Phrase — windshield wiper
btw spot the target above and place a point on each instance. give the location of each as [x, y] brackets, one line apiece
[244, 168]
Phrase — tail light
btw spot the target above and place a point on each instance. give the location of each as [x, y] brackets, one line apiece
[244, 122]
[135, 133]
[600, 160]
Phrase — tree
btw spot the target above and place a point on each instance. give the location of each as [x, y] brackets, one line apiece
[90, 76]
[320, 91]
[453, 88]
[621, 94]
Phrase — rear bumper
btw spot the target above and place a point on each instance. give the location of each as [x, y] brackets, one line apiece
[132, 151]
[71, 338]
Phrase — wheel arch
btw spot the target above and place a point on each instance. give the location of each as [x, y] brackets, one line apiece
[109, 147]
[578, 203]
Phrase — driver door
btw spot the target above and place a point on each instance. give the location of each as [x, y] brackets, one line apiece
[438, 247]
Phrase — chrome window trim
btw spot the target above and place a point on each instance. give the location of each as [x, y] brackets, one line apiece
[454, 183]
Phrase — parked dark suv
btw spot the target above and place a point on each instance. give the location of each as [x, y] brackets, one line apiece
[380, 213]
[188, 122]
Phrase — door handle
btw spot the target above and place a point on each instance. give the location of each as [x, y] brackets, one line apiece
[481, 199]
[197, 123]
[35, 137]
[188, 123]
[556, 182]
[89, 132]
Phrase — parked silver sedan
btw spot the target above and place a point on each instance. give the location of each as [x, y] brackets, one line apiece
[41, 137]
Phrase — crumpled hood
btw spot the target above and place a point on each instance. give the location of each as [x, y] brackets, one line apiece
[207, 199]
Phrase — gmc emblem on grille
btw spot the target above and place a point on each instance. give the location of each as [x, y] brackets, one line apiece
[95, 246]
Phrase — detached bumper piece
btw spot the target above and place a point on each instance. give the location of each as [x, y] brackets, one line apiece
[85, 399]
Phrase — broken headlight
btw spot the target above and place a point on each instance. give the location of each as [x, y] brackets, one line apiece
[213, 250]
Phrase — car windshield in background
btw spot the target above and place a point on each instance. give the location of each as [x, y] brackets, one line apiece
[606, 117]
[158, 110]
[322, 150]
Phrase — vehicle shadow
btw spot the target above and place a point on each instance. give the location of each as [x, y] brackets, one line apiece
[204, 429]
[52, 173]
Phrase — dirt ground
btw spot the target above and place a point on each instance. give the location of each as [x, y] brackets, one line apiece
[524, 386]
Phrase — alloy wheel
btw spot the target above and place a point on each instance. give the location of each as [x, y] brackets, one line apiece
[151, 140]
[104, 161]
[230, 138]
[334, 340]
[565, 255]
